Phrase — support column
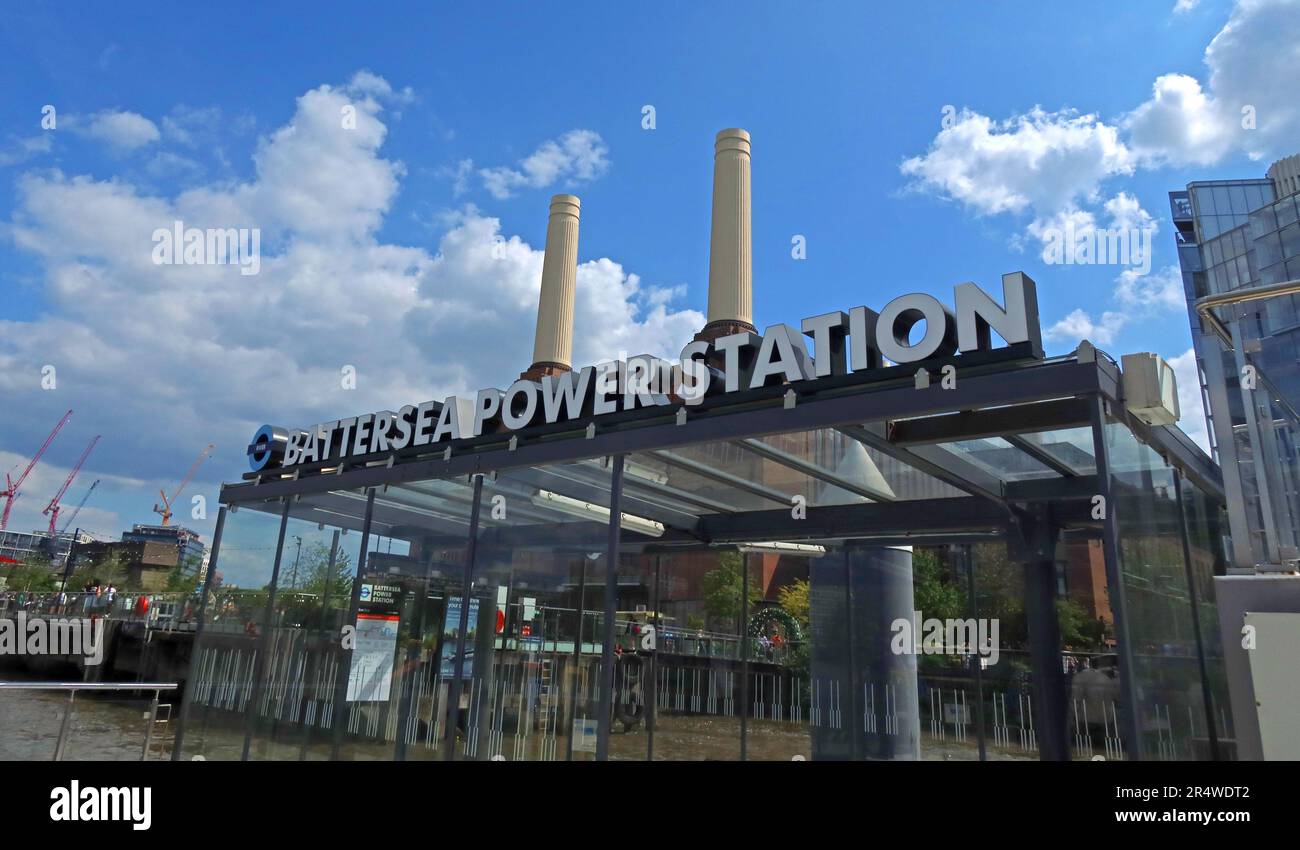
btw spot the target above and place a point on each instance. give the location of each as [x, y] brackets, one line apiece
[1115, 583]
[192, 684]
[606, 701]
[1033, 539]
[462, 625]
[856, 598]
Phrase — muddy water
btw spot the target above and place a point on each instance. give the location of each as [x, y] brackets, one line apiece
[103, 729]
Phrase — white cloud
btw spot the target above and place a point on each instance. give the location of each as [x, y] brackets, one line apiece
[164, 359]
[122, 131]
[578, 156]
[18, 151]
[1040, 162]
[1152, 293]
[1183, 6]
[1180, 124]
[1251, 64]
[1140, 296]
[48, 476]
[1078, 325]
[1054, 164]
[1190, 407]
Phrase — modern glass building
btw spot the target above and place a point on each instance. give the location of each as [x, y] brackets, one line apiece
[1236, 238]
[750, 578]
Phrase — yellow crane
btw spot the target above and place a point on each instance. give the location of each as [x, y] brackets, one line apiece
[165, 509]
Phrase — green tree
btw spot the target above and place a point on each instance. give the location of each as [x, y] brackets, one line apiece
[721, 589]
[935, 593]
[111, 569]
[794, 599]
[34, 573]
[184, 577]
[316, 577]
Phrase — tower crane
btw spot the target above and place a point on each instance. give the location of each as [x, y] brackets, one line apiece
[54, 507]
[165, 509]
[67, 522]
[10, 492]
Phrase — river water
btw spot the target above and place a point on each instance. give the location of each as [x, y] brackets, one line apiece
[103, 728]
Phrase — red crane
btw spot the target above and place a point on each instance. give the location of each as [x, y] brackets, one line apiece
[166, 508]
[53, 507]
[10, 492]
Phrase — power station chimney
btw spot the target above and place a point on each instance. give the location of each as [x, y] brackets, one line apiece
[730, 242]
[553, 342]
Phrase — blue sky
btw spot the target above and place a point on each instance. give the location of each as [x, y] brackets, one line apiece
[373, 244]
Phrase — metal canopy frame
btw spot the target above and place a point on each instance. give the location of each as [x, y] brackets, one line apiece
[913, 427]
[893, 418]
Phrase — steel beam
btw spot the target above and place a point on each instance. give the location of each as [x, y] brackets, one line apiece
[813, 470]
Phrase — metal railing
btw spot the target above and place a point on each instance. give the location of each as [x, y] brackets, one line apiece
[73, 687]
[165, 610]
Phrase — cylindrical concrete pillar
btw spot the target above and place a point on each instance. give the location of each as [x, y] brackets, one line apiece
[553, 343]
[730, 241]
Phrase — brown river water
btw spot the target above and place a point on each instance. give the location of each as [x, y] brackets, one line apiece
[103, 729]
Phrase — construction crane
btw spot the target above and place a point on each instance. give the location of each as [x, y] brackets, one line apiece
[67, 522]
[54, 507]
[165, 509]
[10, 492]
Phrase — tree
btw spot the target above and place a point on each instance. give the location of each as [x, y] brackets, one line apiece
[316, 577]
[935, 593]
[184, 577]
[722, 589]
[34, 573]
[111, 569]
[794, 599]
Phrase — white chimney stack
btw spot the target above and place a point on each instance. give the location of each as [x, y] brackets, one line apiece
[553, 343]
[730, 242]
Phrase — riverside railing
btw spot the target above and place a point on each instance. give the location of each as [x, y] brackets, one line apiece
[74, 687]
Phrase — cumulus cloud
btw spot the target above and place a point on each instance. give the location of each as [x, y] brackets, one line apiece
[163, 359]
[1038, 162]
[122, 131]
[1152, 293]
[579, 156]
[1140, 296]
[1246, 103]
[1049, 163]
[1078, 325]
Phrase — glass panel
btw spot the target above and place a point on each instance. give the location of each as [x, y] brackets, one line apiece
[999, 457]
[948, 688]
[779, 633]
[1237, 195]
[303, 640]
[695, 679]
[531, 680]
[1170, 708]
[1070, 446]
[1206, 527]
[1286, 211]
[399, 700]
[221, 670]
